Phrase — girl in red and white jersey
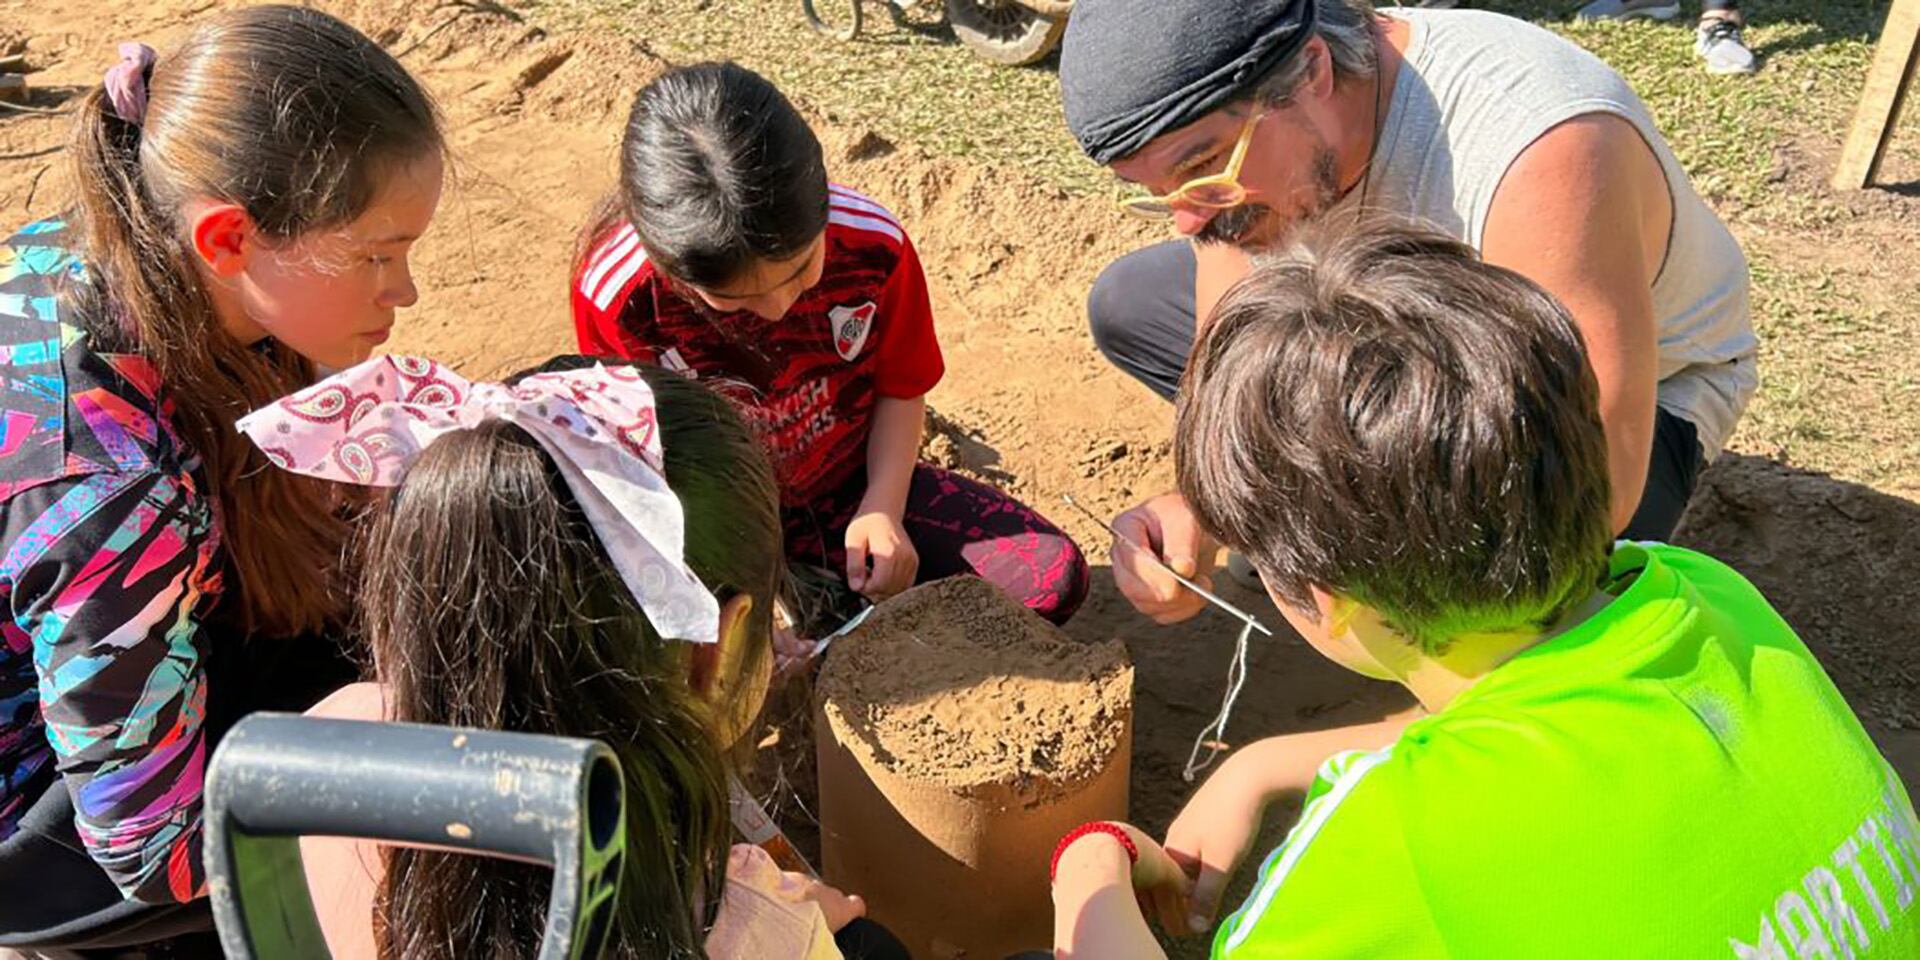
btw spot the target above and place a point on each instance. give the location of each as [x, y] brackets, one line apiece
[728, 256]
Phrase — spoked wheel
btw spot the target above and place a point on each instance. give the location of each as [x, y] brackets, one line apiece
[839, 19]
[1004, 31]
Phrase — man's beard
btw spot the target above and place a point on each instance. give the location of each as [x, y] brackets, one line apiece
[1233, 225]
[1241, 225]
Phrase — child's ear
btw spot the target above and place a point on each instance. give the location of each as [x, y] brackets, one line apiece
[224, 236]
[738, 669]
[1336, 611]
[711, 661]
[703, 665]
[1378, 650]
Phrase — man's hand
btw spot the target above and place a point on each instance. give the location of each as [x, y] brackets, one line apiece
[877, 538]
[1164, 535]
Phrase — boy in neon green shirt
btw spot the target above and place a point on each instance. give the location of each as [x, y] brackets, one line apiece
[1626, 753]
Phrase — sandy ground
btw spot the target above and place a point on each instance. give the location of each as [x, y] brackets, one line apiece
[534, 117]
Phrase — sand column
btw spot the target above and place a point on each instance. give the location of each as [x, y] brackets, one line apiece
[959, 736]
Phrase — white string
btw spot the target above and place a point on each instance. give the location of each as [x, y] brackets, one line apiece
[1236, 670]
[1213, 737]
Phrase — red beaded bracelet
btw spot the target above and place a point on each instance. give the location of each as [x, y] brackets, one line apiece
[1097, 826]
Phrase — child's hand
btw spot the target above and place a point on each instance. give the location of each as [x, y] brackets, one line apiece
[1212, 835]
[1159, 886]
[1164, 888]
[789, 648]
[840, 908]
[874, 536]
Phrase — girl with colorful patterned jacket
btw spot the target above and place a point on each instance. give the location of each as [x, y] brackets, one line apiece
[245, 208]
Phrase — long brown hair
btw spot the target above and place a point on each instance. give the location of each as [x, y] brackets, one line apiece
[298, 118]
[490, 603]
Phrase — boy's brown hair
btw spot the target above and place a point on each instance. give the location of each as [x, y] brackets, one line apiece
[1380, 414]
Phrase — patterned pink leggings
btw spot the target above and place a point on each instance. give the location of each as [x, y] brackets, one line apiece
[958, 526]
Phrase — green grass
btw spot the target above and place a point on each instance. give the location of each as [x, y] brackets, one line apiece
[1839, 391]
[924, 88]
[1728, 131]
[915, 87]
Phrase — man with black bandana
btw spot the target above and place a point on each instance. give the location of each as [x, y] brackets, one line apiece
[1236, 121]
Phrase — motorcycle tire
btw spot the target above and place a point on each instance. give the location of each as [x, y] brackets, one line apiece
[833, 24]
[1005, 31]
[1050, 8]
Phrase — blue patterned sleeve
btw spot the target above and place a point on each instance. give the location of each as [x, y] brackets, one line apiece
[107, 573]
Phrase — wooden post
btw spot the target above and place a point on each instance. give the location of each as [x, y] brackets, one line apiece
[1894, 60]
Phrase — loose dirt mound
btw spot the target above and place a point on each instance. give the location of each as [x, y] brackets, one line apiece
[959, 735]
[953, 683]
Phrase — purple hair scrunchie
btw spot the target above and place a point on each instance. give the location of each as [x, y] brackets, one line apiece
[126, 82]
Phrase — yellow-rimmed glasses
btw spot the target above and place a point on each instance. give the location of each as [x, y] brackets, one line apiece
[1218, 192]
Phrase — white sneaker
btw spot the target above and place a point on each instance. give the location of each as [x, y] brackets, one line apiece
[1719, 43]
[1628, 9]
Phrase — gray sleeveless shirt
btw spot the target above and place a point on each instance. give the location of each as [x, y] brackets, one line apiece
[1475, 90]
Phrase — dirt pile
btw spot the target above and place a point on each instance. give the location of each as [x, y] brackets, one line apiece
[959, 736]
[951, 683]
